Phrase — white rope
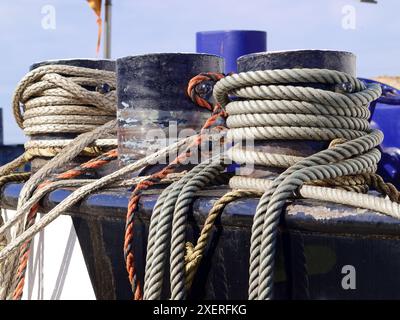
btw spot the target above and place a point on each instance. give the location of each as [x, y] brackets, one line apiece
[357, 200]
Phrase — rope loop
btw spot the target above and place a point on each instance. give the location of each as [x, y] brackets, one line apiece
[200, 89]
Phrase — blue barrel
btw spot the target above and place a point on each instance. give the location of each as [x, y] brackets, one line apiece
[385, 115]
[231, 44]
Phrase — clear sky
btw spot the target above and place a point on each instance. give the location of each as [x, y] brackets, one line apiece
[371, 31]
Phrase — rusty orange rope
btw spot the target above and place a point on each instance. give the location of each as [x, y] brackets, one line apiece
[69, 174]
[217, 112]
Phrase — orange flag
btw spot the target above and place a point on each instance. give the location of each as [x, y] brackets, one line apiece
[96, 6]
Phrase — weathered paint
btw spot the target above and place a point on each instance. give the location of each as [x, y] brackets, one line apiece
[152, 97]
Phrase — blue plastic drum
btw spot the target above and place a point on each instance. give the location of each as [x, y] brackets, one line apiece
[231, 44]
[385, 115]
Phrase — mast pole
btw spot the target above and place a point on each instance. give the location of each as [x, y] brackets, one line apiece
[107, 30]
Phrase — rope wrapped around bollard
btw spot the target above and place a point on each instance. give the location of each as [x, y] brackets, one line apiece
[50, 99]
[272, 107]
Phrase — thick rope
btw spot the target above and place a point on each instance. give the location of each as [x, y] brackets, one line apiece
[15, 164]
[195, 253]
[275, 109]
[14, 177]
[169, 221]
[179, 221]
[50, 148]
[160, 230]
[366, 201]
[359, 183]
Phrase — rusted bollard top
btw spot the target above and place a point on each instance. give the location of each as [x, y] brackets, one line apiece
[153, 105]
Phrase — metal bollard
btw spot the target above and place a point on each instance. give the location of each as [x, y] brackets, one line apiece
[153, 106]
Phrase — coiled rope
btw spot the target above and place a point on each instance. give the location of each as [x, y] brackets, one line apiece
[57, 99]
[271, 107]
[345, 161]
[169, 220]
[54, 99]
